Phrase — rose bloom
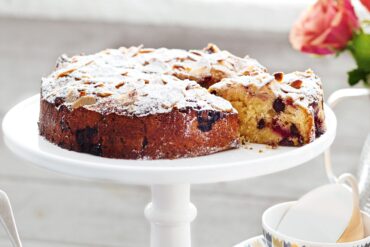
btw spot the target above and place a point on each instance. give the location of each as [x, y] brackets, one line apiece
[325, 28]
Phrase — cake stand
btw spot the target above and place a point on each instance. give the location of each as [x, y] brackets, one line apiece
[170, 212]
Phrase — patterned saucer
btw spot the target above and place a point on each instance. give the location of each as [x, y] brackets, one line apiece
[257, 241]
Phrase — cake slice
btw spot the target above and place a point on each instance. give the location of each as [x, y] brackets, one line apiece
[281, 109]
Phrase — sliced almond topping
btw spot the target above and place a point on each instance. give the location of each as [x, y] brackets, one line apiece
[65, 73]
[146, 51]
[124, 74]
[104, 94]
[296, 84]
[179, 67]
[211, 48]
[279, 76]
[99, 85]
[190, 58]
[90, 62]
[128, 98]
[85, 100]
[196, 53]
[188, 87]
[165, 106]
[120, 85]
[71, 96]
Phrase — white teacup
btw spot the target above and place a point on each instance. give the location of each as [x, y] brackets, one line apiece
[272, 217]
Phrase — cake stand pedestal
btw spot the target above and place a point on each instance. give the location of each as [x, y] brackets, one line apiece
[170, 212]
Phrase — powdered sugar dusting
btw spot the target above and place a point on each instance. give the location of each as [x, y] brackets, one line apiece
[303, 88]
[138, 81]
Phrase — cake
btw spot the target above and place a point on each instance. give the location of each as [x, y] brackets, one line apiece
[276, 109]
[139, 103]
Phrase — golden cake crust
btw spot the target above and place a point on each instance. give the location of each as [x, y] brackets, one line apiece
[184, 133]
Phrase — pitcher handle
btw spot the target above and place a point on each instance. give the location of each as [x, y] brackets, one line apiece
[333, 100]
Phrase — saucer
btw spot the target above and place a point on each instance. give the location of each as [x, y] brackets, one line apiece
[257, 241]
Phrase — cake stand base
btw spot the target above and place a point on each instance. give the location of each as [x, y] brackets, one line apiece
[170, 214]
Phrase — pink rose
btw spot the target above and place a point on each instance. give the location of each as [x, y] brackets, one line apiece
[325, 28]
[366, 3]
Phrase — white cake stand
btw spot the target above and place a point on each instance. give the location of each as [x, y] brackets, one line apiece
[170, 212]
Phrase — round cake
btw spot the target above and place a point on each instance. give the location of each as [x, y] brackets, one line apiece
[137, 103]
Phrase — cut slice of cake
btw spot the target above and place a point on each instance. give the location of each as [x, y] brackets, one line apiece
[276, 110]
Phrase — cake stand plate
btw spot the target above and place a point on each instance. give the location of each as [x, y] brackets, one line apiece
[170, 211]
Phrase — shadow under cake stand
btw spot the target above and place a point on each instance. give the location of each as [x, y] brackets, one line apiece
[170, 212]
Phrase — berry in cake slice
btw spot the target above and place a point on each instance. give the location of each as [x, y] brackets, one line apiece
[276, 109]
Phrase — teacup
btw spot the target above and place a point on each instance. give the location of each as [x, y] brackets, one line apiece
[272, 217]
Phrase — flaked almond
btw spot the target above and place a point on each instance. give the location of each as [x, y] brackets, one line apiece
[211, 48]
[184, 59]
[199, 71]
[188, 87]
[124, 73]
[279, 76]
[65, 73]
[99, 85]
[165, 106]
[297, 84]
[104, 94]
[120, 85]
[128, 98]
[191, 59]
[143, 51]
[90, 62]
[179, 67]
[71, 96]
[106, 51]
[196, 53]
[85, 100]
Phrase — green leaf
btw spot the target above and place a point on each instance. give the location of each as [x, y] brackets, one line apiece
[355, 76]
[360, 49]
